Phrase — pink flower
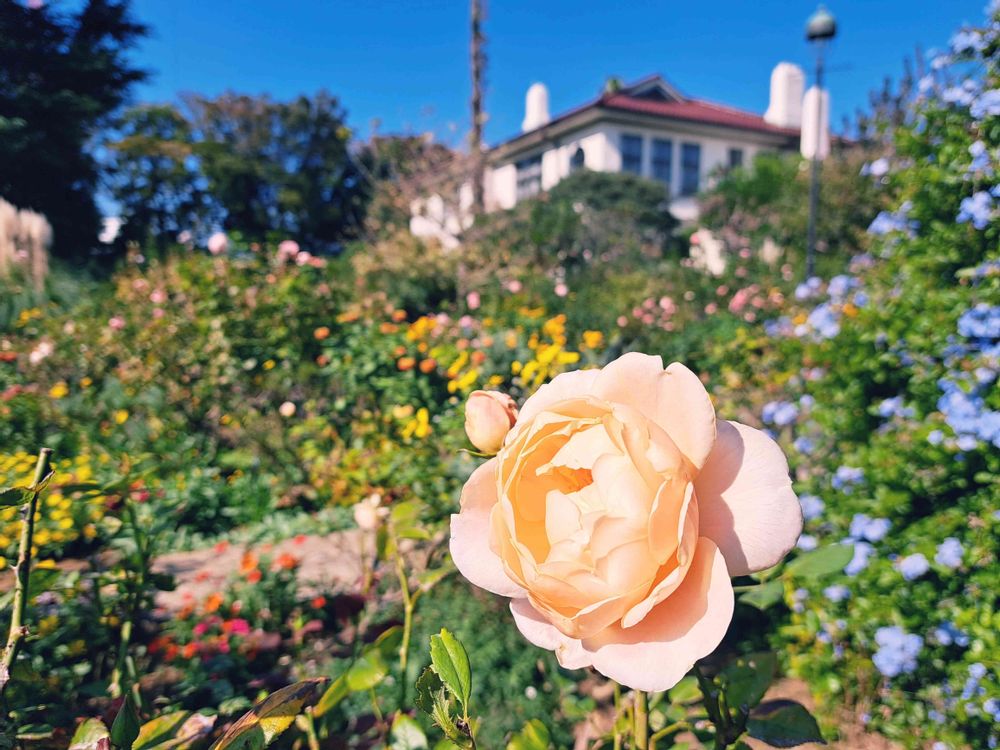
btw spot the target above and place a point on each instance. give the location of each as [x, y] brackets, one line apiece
[158, 297]
[116, 323]
[561, 290]
[711, 308]
[514, 286]
[472, 300]
[287, 409]
[239, 626]
[614, 515]
[287, 249]
[489, 415]
[622, 321]
[218, 243]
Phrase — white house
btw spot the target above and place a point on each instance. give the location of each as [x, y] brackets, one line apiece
[648, 128]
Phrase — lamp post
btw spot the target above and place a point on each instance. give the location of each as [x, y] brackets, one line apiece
[820, 28]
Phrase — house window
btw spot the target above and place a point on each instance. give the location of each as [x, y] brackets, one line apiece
[663, 161]
[690, 168]
[735, 158]
[632, 153]
[529, 177]
[578, 160]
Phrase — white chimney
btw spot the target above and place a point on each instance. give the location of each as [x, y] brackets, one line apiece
[815, 139]
[536, 107]
[787, 85]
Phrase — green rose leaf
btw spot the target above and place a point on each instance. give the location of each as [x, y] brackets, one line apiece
[367, 672]
[451, 662]
[125, 728]
[765, 595]
[783, 723]
[267, 720]
[747, 678]
[821, 562]
[14, 496]
[534, 736]
[334, 694]
[407, 734]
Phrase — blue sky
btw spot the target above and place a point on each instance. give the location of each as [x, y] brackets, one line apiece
[405, 63]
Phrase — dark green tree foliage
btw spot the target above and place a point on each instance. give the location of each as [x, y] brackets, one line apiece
[153, 177]
[62, 75]
[280, 168]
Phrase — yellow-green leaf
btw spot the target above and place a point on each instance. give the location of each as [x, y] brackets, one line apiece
[266, 721]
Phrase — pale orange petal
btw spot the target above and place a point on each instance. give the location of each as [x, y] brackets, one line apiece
[746, 501]
[470, 534]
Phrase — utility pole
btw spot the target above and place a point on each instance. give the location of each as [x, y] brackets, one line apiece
[478, 59]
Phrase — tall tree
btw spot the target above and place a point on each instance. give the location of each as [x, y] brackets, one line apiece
[62, 76]
[154, 177]
[279, 167]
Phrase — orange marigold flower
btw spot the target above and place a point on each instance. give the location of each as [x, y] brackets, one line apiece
[213, 602]
[248, 562]
[254, 575]
[318, 602]
[388, 328]
[190, 650]
[427, 366]
[478, 358]
[399, 315]
[321, 333]
[221, 547]
[406, 363]
[285, 561]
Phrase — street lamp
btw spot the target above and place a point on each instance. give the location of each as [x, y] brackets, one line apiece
[820, 28]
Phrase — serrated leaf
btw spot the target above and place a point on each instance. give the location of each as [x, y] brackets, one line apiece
[90, 735]
[125, 728]
[428, 686]
[266, 721]
[406, 734]
[820, 562]
[765, 595]
[533, 736]
[44, 483]
[451, 662]
[332, 697]
[10, 496]
[783, 723]
[747, 678]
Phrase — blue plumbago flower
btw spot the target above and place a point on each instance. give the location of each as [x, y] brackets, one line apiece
[980, 159]
[898, 651]
[878, 168]
[807, 401]
[947, 633]
[967, 40]
[812, 506]
[779, 413]
[964, 94]
[987, 103]
[949, 553]
[893, 407]
[977, 671]
[966, 413]
[779, 327]
[978, 208]
[846, 477]
[871, 529]
[913, 566]
[887, 222]
[926, 84]
[808, 288]
[860, 299]
[935, 437]
[939, 61]
[936, 716]
[862, 551]
[807, 543]
[940, 746]
[823, 321]
[980, 322]
[837, 593]
[840, 285]
[804, 445]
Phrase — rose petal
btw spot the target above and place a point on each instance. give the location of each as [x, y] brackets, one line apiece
[567, 385]
[656, 653]
[470, 534]
[745, 499]
[685, 411]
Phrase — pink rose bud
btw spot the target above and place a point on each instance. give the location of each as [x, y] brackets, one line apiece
[218, 243]
[368, 513]
[489, 415]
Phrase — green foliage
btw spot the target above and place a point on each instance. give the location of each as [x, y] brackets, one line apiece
[65, 74]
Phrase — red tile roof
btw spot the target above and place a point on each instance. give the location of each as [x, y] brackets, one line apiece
[695, 110]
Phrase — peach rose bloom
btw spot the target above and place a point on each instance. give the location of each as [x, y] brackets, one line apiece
[614, 515]
[489, 415]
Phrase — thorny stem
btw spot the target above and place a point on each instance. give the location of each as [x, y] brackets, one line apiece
[22, 571]
[404, 646]
[640, 721]
[617, 737]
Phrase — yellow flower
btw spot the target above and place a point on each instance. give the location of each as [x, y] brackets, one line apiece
[592, 339]
[121, 416]
[86, 382]
[269, 364]
[59, 390]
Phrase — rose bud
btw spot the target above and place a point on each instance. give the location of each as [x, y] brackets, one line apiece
[368, 513]
[489, 415]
